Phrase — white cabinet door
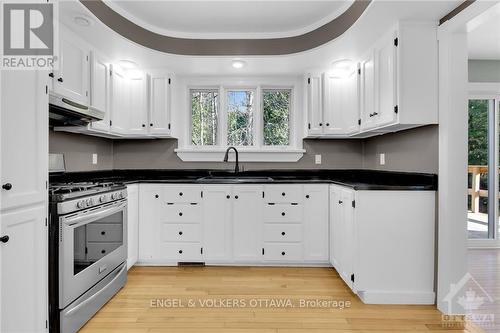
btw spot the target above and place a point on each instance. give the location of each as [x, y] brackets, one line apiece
[335, 233]
[132, 224]
[23, 138]
[159, 116]
[314, 104]
[367, 91]
[23, 270]
[99, 89]
[385, 72]
[120, 102]
[138, 108]
[72, 78]
[151, 212]
[247, 223]
[345, 236]
[349, 117]
[217, 237]
[315, 220]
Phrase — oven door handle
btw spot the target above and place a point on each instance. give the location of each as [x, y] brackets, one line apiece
[85, 219]
[91, 298]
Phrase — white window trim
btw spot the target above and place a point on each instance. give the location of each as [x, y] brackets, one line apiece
[257, 153]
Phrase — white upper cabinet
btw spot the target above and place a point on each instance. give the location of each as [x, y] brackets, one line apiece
[367, 91]
[159, 108]
[71, 80]
[314, 104]
[137, 89]
[386, 57]
[120, 101]
[99, 89]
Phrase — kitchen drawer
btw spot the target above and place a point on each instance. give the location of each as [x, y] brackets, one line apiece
[181, 251]
[282, 233]
[182, 194]
[181, 233]
[98, 250]
[283, 251]
[103, 232]
[182, 213]
[283, 213]
[283, 193]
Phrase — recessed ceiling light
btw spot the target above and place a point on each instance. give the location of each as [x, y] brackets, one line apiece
[82, 21]
[238, 64]
[128, 64]
[133, 74]
[342, 68]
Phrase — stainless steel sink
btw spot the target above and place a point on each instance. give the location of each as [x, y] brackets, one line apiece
[234, 179]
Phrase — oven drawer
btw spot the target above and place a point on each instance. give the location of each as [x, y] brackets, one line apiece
[283, 251]
[181, 233]
[182, 251]
[103, 232]
[182, 194]
[98, 250]
[282, 233]
[283, 193]
[182, 213]
[283, 213]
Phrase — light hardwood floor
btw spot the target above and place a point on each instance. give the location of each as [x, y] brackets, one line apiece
[131, 310]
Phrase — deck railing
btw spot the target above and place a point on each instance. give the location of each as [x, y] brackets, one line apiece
[475, 190]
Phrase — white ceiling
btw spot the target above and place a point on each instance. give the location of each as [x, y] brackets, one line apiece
[377, 19]
[230, 19]
[484, 40]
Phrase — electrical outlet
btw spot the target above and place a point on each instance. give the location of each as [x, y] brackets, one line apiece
[382, 159]
[94, 158]
[317, 159]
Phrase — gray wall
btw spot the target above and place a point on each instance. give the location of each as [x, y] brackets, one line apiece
[484, 70]
[412, 150]
[78, 150]
[415, 150]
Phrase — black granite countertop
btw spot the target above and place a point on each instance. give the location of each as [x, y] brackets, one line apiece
[356, 179]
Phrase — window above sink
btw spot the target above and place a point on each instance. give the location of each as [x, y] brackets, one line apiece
[260, 116]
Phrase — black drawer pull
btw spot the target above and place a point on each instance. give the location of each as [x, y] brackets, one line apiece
[283, 253]
[157, 196]
[180, 251]
[283, 194]
[307, 196]
[180, 213]
[282, 213]
[4, 239]
[180, 233]
[236, 197]
[340, 202]
[181, 194]
[103, 233]
[7, 186]
[151, 124]
[327, 124]
[228, 196]
[60, 79]
[103, 251]
[283, 233]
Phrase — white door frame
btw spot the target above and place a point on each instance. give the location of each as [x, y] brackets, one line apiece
[453, 123]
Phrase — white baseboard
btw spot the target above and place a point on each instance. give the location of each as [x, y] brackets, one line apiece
[397, 297]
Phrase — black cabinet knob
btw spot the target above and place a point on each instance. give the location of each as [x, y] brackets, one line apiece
[327, 124]
[180, 214]
[4, 239]
[60, 80]
[181, 194]
[307, 196]
[283, 233]
[283, 194]
[283, 253]
[180, 233]
[157, 196]
[320, 124]
[143, 125]
[236, 197]
[103, 233]
[7, 186]
[228, 196]
[103, 251]
[180, 251]
[151, 124]
[283, 214]
[340, 202]
[51, 74]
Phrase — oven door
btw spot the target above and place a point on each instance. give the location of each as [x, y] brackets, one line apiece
[92, 243]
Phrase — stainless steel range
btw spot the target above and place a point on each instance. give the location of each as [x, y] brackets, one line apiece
[88, 250]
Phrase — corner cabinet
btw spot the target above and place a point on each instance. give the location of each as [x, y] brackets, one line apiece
[100, 70]
[382, 244]
[132, 224]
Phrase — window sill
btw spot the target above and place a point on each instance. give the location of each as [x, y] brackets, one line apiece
[245, 155]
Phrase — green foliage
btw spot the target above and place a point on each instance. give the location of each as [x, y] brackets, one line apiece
[276, 107]
[478, 132]
[204, 117]
[240, 118]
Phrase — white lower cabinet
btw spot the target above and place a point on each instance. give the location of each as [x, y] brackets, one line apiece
[382, 244]
[132, 224]
[233, 224]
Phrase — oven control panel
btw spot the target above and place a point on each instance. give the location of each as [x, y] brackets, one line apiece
[77, 204]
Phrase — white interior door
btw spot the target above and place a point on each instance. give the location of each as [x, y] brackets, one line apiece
[217, 202]
[247, 223]
[23, 270]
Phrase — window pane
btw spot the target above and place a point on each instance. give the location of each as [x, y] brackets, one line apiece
[478, 169]
[240, 118]
[276, 107]
[204, 117]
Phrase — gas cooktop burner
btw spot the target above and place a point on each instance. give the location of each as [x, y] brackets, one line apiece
[64, 191]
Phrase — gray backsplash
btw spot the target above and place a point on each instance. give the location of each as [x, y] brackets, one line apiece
[413, 150]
